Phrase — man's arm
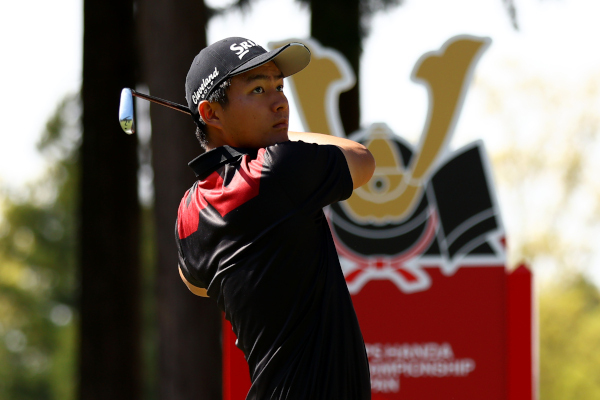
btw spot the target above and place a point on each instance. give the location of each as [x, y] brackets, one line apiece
[194, 289]
[360, 160]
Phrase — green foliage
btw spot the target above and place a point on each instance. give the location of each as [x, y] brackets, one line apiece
[37, 277]
[547, 176]
[38, 274]
[569, 317]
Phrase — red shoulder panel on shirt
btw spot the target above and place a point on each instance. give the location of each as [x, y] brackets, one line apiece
[224, 198]
[188, 214]
[243, 187]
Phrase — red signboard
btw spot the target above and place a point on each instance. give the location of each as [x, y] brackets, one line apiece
[469, 338]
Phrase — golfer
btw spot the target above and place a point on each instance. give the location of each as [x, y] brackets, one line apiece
[251, 232]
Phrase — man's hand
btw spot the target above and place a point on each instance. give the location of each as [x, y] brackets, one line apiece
[360, 160]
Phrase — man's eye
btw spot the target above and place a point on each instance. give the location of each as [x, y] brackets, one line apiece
[258, 90]
[280, 88]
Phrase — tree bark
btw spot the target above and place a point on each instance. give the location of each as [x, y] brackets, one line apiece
[171, 34]
[109, 211]
[337, 24]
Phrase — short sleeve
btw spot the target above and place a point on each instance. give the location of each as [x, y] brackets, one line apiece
[312, 175]
[182, 263]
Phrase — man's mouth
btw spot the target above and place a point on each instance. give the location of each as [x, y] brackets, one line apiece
[281, 124]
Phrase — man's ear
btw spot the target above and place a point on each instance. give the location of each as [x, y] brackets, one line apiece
[208, 113]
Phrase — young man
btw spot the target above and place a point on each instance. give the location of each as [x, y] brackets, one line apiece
[251, 232]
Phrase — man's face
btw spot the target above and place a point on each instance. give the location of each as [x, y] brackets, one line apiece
[257, 114]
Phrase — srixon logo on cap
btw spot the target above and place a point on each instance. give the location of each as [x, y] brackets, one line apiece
[242, 49]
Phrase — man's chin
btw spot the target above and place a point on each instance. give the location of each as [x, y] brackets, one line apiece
[278, 138]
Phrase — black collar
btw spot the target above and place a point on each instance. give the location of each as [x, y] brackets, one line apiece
[208, 162]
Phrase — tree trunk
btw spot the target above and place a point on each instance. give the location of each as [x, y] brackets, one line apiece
[336, 24]
[109, 230]
[172, 33]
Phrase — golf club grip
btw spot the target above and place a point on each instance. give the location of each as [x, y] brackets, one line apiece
[165, 103]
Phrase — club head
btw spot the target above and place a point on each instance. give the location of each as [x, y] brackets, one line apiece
[126, 111]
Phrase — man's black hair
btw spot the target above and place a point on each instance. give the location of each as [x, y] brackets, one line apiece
[219, 96]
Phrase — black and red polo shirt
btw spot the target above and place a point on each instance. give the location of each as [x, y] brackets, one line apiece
[252, 231]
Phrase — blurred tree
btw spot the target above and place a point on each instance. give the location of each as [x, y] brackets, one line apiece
[569, 316]
[551, 192]
[343, 25]
[109, 214]
[38, 285]
[37, 277]
[171, 34]
[545, 162]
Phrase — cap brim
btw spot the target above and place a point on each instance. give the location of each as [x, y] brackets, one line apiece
[290, 59]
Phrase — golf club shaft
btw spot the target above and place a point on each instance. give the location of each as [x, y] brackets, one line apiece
[162, 102]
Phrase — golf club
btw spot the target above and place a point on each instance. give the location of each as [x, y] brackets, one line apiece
[126, 118]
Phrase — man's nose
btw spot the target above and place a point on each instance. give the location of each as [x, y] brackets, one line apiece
[280, 102]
